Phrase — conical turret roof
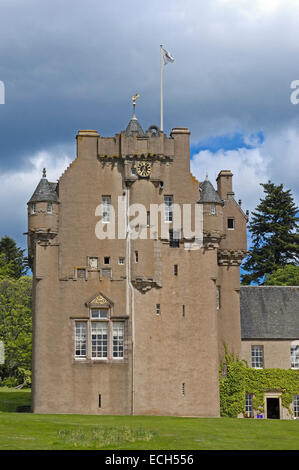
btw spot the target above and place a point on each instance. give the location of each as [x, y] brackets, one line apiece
[208, 193]
[45, 192]
[134, 126]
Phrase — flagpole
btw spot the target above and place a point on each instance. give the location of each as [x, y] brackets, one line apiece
[161, 85]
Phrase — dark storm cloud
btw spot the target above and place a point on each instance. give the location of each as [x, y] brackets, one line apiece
[68, 65]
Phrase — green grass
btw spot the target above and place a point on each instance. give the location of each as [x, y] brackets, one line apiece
[33, 431]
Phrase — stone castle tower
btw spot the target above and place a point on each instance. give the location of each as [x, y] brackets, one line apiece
[132, 325]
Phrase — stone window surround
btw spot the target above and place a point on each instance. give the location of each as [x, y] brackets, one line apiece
[110, 320]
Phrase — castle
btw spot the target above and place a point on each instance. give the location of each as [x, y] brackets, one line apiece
[133, 320]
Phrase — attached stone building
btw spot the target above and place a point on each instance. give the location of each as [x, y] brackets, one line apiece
[130, 325]
[270, 338]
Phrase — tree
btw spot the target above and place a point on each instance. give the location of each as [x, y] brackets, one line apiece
[5, 267]
[14, 256]
[275, 241]
[16, 328]
[285, 276]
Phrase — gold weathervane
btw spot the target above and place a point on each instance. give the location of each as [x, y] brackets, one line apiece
[134, 98]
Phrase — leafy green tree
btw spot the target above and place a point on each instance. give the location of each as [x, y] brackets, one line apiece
[285, 276]
[14, 256]
[5, 267]
[16, 328]
[275, 240]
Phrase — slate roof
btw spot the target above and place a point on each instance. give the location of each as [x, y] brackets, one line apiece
[45, 192]
[208, 193]
[134, 126]
[270, 312]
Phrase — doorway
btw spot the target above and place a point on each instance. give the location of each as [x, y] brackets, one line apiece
[273, 408]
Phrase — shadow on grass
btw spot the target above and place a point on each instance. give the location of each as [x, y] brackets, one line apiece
[12, 401]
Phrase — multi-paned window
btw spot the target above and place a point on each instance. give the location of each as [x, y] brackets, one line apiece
[100, 337]
[99, 313]
[257, 357]
[248, 405]
[99, 340]
[168, 209]
[296, 406]
[118, 340]
[295, 357]
[106, 204]
[80, 339]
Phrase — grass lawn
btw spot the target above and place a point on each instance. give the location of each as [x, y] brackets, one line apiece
[31, 431]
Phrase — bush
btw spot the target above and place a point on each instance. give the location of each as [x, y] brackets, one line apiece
[10, 382]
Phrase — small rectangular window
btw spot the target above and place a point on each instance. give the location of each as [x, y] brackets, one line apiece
[296, 406]
[183, 389]
[148, 219]
[33, 208]
[80, 339]
[168, 209]
[100, 401]
[133, 171]
[183, 310]
[121, 260]
[101, 313]
[248, 406]
[136, 257]
[295, 357]
[81, 273]
[106, 273]
[231, 223]
[49, 208]
[174, 239]
[217, 297]
[257, 357]
[158, 309]
[106, 206]
[175, 269]
[213, 209]
[106, 260]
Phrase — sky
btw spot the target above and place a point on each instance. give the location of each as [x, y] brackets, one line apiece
[68, 65]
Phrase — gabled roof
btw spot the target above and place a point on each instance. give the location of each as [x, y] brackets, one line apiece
[269, 312]
[45, 192]
[208, 193]
[134, 126]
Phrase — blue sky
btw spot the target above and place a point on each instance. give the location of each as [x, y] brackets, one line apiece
[68, 66]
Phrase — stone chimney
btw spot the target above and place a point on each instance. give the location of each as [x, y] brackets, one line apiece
[225, 185]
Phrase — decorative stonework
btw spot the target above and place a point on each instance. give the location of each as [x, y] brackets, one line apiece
[144, 284]
[212, 239]
[99, 300]
[231, 257]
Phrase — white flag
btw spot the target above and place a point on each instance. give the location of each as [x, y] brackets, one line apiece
[167, 57]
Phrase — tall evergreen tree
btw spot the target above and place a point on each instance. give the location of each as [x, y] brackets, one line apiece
[274, 230]
[14, 256]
